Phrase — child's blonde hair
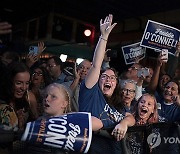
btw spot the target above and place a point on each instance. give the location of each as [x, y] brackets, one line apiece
[66, 94]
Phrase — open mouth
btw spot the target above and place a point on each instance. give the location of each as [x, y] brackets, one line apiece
[127, 98]
[167, 93]
[20, 92]
[168, 96]
[107, 86]
[143, 111]
[46, 105]
[148, 77]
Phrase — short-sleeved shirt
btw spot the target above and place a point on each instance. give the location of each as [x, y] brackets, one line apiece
[93, 101]
[171, 112]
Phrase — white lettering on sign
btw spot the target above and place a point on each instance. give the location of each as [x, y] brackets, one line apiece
[71, 136]
[56, 133]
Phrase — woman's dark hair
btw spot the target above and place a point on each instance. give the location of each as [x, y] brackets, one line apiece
[14, 56]
[6, 92]
[114, 100]
[46, 75]
[113, 69]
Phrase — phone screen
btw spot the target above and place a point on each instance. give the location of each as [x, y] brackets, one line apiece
[144, 72]
[164, 53]
[33, 50]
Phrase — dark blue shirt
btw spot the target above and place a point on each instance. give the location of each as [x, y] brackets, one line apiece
[171, 112]
[93, 101]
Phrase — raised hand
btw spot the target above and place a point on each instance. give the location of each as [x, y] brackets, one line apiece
[93, 75]
[31, 59]
[76, 72]
[137, 59]
[41, 47]
[176, 99]
[106, 26]
[161, 59]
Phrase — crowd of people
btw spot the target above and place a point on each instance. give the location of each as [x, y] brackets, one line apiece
[30, 90]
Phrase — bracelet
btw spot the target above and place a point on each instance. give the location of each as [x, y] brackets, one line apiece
[103, 38]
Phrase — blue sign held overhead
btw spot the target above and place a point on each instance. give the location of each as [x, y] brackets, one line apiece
[132, 52]
[160, 36]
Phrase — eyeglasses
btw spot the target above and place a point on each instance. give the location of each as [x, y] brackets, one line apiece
[38, 73]
[130, 91]
[105, 77]
[51, 66]
[134, 68]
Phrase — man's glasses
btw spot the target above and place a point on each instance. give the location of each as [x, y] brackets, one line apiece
[130, 91]
[134, 68]
[51, 66]
[111, 78]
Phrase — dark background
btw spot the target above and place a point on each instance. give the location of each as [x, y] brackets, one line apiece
[91, 11]
[87, 10]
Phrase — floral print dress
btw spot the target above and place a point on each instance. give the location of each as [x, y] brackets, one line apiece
[8, 118]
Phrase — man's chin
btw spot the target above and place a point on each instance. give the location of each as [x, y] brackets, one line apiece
[167, 99]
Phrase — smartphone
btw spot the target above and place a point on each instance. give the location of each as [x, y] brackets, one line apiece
[164, 53]
[33, 50]
[69, 68]
[143, 71]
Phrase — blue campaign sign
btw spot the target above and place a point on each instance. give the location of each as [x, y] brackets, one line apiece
[132, 52]
[160, 36]
[71, 132]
